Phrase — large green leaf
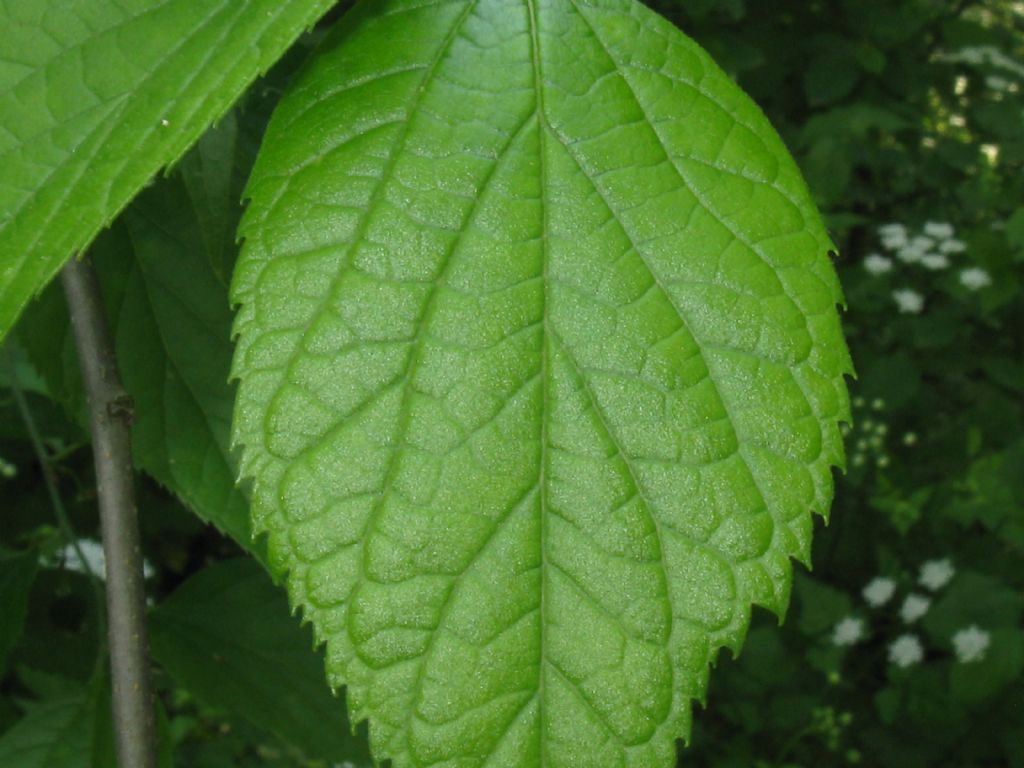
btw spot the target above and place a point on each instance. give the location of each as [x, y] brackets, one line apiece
[97, 95]
[541, 371]
[160, 269]
[227, 636]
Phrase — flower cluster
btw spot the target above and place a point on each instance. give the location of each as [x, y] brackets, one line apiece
[932, 247]
[906, 649]
[872, 431]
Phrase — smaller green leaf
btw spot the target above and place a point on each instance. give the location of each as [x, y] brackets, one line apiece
[69, 725]
[831, 77]
[61, 634]
[973, 598]
[161, 269]
[227, 636]
[821, 606]
[1002, 663]
[61, 732]
[56, 735]
[17, 572]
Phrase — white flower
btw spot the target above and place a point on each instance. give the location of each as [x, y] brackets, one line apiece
[848, 631]
[893, 236]
[922, 243]
[975, 278]
[910, 254]
[935, 574]
[906, 651]
[879, 591]
[92, 554]
[952, 246]
[892, 230]
[908, 301]
[914, 607]
[934, 261]
[877, 265]
[970, 644]
[940, 230]
[95, 558]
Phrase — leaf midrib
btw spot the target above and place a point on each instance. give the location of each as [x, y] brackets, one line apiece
[542, 123]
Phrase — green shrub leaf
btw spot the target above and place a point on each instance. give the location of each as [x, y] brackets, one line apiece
[96, 97]
[17, 574]
[226, 635]
[160, 269]
[541, 371]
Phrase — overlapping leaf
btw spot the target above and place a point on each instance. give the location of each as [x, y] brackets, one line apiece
[541, 372]
[226, 635]
[96, 96]
[161, 271]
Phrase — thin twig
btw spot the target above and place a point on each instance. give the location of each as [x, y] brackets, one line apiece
[67, 531]
[110, 411]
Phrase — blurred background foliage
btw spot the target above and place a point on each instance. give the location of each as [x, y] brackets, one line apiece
[904, 647]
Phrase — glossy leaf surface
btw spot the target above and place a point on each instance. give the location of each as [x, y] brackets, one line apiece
[541, 374]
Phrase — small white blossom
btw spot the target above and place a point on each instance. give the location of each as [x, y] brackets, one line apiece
[879, 591]
[848, 631]
[892, 230]
[905, 651]
[910, 254]
[877, 265]
[935, 574]
[952, 246]
[975, 278]
[92, 555]
[971, 643]
[924, 244]
[935, 261]
[914, 607]
[893, 243]
[94, 558]
[940, 230]
[908, 301]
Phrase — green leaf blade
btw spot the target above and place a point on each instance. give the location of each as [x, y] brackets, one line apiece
[226, 636]
[161, 271]
[97, 97]
[540, 400]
